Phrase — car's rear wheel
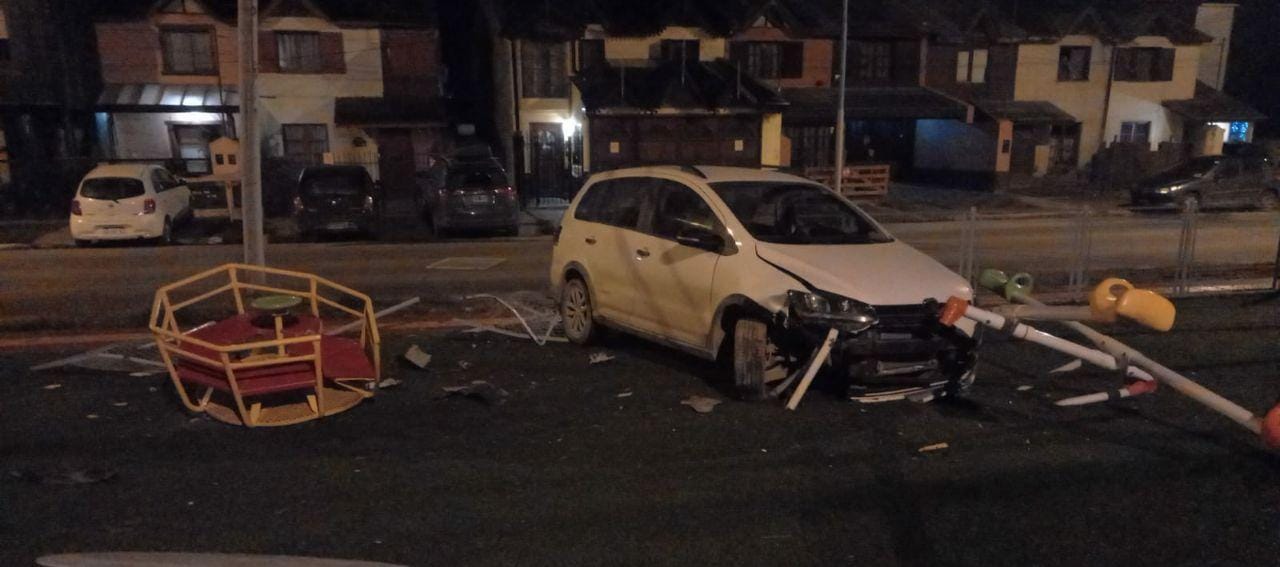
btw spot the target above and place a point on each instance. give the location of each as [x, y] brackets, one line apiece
[1269, 199]
[576, 312]
[756, 360]
[166, 233]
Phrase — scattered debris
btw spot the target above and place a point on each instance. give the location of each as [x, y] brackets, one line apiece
[214, 240]
[153, 389]
[701, 404]
[119, 404]
[91, 416]
[1024, 388]
[389, 383]
[464, 364]
[378, 315]
[77, 476]
[53, 386]
[626, 394]
[933, 447]
[478, 390]
[417, 357]
[597, 358]
[921, 397]
[143, 373]
[1068, 367]
[550, 316]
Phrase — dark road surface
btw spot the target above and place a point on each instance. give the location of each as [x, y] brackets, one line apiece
[566, 472]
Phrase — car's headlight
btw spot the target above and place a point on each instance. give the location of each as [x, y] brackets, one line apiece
[848, 314]
[1168, 189]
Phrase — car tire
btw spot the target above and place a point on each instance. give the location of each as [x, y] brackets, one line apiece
[166, 233]
[1189, 202]
[1269, 199]
[754, 365]
[576, 312]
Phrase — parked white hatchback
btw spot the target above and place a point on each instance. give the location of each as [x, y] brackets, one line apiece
[756, 267]
[128, 201]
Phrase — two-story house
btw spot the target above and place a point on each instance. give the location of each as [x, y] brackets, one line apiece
[338, 82]
[1062, 86]
[593, 86]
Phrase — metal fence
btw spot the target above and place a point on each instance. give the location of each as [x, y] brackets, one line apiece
[1182, 253]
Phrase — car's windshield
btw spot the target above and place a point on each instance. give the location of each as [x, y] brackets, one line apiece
[111, 188]
[796, 213]
[335, 183]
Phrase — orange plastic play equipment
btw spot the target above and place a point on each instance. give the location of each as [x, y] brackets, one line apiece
[290, 346]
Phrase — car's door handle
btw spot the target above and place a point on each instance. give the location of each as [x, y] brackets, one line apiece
[642, 252]
[591, 240]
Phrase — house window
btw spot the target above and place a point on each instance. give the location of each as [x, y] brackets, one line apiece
[542, 70]
[1144, 64]
[305, 143]
[971, 66]
[873, 59]
[299, 52]
[1135, 132]
[679, 49]
[192, 144]
[1073, 63]
[188, 51]
[590, 53]
[770, 59]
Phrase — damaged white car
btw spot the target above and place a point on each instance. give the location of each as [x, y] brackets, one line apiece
[755, 268]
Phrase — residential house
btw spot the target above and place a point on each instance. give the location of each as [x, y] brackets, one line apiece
[588, 87]
[338, 82]
[1063, 86]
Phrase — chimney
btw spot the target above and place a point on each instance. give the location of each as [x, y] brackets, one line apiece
[1216, 20]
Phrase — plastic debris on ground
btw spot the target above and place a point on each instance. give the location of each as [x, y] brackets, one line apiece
[464, 364]
[701, 404]
[479, 390]
[389, 383]
[598, 357]
[52, 386]
[537, 317]
[417, 357]
[76, 476]
[1068, 367]
[624, 394]
[933, 447]
[1024, 388]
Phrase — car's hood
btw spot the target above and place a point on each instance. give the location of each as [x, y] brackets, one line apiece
[891, 273]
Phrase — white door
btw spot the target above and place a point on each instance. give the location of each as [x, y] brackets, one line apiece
[608, 217]
[674, 279]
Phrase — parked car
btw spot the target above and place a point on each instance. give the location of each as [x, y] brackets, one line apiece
[754, 267]
[469, 195]
[215, 197]
[128, 201]
[335, 199]
[1212, 181]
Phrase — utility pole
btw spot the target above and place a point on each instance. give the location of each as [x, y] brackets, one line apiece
[844, 70]
[250, 152]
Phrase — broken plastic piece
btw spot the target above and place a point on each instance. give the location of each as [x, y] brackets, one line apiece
[1068, 367]
[417, 357]
[933, 447]
[700, 404]
[389, 383]
[598, 357]
[478, 390]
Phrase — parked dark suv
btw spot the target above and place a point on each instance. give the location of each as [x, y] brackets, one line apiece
[469, 195]
[335, 199]
[1212, 181]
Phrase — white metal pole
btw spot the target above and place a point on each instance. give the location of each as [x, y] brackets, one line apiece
[844, 70]
[250, 156]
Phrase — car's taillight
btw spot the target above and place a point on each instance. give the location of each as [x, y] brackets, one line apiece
[148, 206]
[75, 207]
[368, 203]
[507, 191]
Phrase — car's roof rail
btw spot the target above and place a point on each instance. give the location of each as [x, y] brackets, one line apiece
[693, 169]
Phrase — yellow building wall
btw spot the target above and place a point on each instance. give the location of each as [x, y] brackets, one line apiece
[1141, 102]
[633, 48]
[771, 144]
[1037, 79]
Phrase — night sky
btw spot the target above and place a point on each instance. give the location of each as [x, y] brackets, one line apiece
[1253, 71]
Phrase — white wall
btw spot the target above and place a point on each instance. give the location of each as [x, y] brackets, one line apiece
[1216, 19]
[1141, 102]
[146, 135]
[296, 98]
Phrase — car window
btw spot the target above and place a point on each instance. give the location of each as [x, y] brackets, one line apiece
[477, 177]
[679, 209]
[336, 182]
[1230, 168]
[615, 202]
[796, 213]
[112, 188]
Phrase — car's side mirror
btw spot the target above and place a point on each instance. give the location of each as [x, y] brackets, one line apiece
[701, 239]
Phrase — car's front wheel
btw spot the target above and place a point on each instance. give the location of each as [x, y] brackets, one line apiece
[576, 312]
[166, 233]
[756, 360]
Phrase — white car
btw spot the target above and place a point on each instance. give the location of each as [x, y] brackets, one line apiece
[128, 201]
[755, 267]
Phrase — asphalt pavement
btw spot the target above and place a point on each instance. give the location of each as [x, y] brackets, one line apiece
[112, 287]
[584, 464]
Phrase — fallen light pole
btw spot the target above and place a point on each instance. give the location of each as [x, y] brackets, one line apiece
[1113, 297]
